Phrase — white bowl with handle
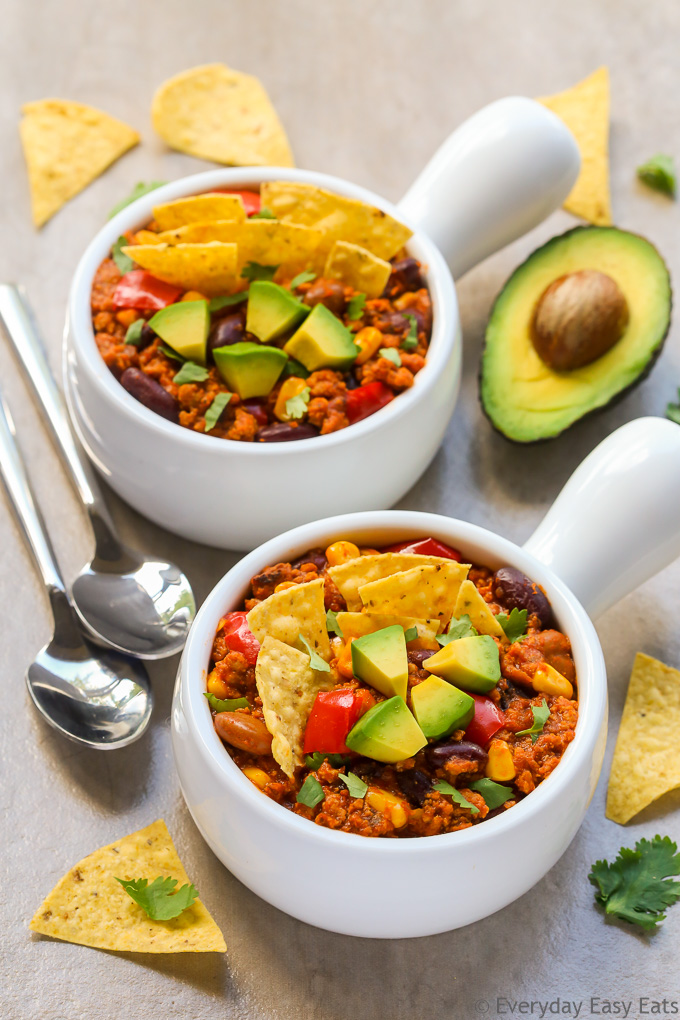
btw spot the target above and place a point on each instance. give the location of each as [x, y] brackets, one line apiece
[497, 176]
[613, 526]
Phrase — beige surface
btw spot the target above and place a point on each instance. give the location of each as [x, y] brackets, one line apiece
[365, 90]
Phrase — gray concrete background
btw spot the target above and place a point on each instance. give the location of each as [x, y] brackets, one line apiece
[367, 91]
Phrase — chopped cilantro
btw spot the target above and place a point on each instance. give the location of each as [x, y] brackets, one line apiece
[263, 214]
[659, 173]
[190, 372]
[391, 354]
[673, 411]
[315, 660]
[225, 704]
[311, 792]
[134, 333]
[541, 716]
[123, 261]
[357, 787]
[355, 306]
[411, 634]
[137, 192]
[316, 760]
[293, 367]
[450, 791]
[169, 353]
[304, 277]
[216, 303]
[332, 625]
[410, 341]
[296, 406]
[214, 412]
[457, 629]
[256, 271]
[515, 625]
[635, 887]
[159, 900]
[493, 793]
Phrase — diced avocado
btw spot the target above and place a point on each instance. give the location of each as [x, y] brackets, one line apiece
[322, 341]
[272, 310]
[184, 326]
[472, 663]
[379, 659]
[387, 732]
[249, 369]
[440, 708]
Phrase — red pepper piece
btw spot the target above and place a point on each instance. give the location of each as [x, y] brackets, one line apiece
[250, 199]
[427, 547]
[238, 636]
[487, 720]
[139, 289]
[333, 715]
[366, 400]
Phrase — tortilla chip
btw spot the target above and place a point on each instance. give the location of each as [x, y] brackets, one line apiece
[349, 577]
[585, 110]
[426, 592]
[207, 268]
[646, 763]
[67, 146]
[89, 907]
[199, 209]
[268, 242]
[355, 625]
[341, 219]
[471, 602]
[215, 113]
[287, 686]
[358, 268]
[295, 611]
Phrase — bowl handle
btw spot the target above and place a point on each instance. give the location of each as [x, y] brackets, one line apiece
[617, 520]
[498, 175]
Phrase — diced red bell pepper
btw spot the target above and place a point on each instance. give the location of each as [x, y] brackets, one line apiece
[333, 715]
[139, 289]
[258, 411]
[487, 720]
[238, 636]
[250, 199]
[366, 400]
[427, 547]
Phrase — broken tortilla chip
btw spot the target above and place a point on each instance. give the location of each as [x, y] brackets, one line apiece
[67, 146]
[207, 268]
[355, 625]
[350, 576]
[426, 592]
[471, 602]
[646, 763]
[199, 209]
[295, 611]
[358, 268]
[287, 245]
[287, 686]
[585, 110]
[215, 113]
[340, 218]
[88, 906]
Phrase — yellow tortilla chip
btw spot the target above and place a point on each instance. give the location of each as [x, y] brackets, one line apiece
[355, 625]
[287, 686]
[215, 113]
[356, 267]
[350, 576]
[207, 268]
[89, 907]
[341, 219]
[67, 146]
[199, 209]
[426, 592]
[268, 242]
[646, 763]
[295, 611]
[585, 110]
[471, 602]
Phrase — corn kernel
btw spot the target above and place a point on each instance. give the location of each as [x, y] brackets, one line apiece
[500, 767]
[399, 816]
[127, 316]
[366, 550]
[385, 802]
[368, 340]
[257, 776]
[193, 295]
[217, 687]
[284, 585]
[344, 662]
[341, 552]
[548, 680]
[291, 387]
[147, 237]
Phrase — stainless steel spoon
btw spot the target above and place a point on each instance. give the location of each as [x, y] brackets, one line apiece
[96, 697]
[136, 604]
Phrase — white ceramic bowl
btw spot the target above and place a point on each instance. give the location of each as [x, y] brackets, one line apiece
[497, 176]
[397, 888]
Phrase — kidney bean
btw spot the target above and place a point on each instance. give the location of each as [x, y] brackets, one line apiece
[315, 556]
[405, 276]
[330, 293]
[258, 411]
[439, 754]
[351, 381]
[517, 591]
[418, 655]
[394, 322]
[243, 731]
[146, 337]
[150, 393]
[284, 432]
[225, 332]
[414, 784]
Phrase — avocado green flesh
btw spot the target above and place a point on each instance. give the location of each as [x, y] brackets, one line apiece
[471, 662]
[387, 732]
[380, 659]
[249, 369]
[184, 326]
[322, 341]
[272, 311]
[440, 708]
[526, 400]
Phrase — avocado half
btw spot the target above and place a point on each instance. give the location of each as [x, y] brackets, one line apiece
[526, 400]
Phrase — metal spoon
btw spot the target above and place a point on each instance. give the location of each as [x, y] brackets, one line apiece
[98, 698]
[136, 604]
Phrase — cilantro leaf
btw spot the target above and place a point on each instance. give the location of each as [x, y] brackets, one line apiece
[457, 629]
[355, 306]
[410, 341]
[357, 787]
[315, 761]
[256, 271]
[493, 793]
[123, 261]
[659, 173]
[673, 411]
[137, 192]
[304, 277]
[391, 354]
[214, 412]
[190, 372]
[216, 303]
[169, 353]
[635, 887]
[450, 791]
[311, 792]
[263, 214]
[159, 899]
[411, 634]
[515, 625]
[332, 625]
[296, 406]
[225, 704]
[134, 333]
[315, 660]
[541, 716]
[296, 368]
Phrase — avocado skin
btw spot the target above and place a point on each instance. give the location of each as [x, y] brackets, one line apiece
[617, 397]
